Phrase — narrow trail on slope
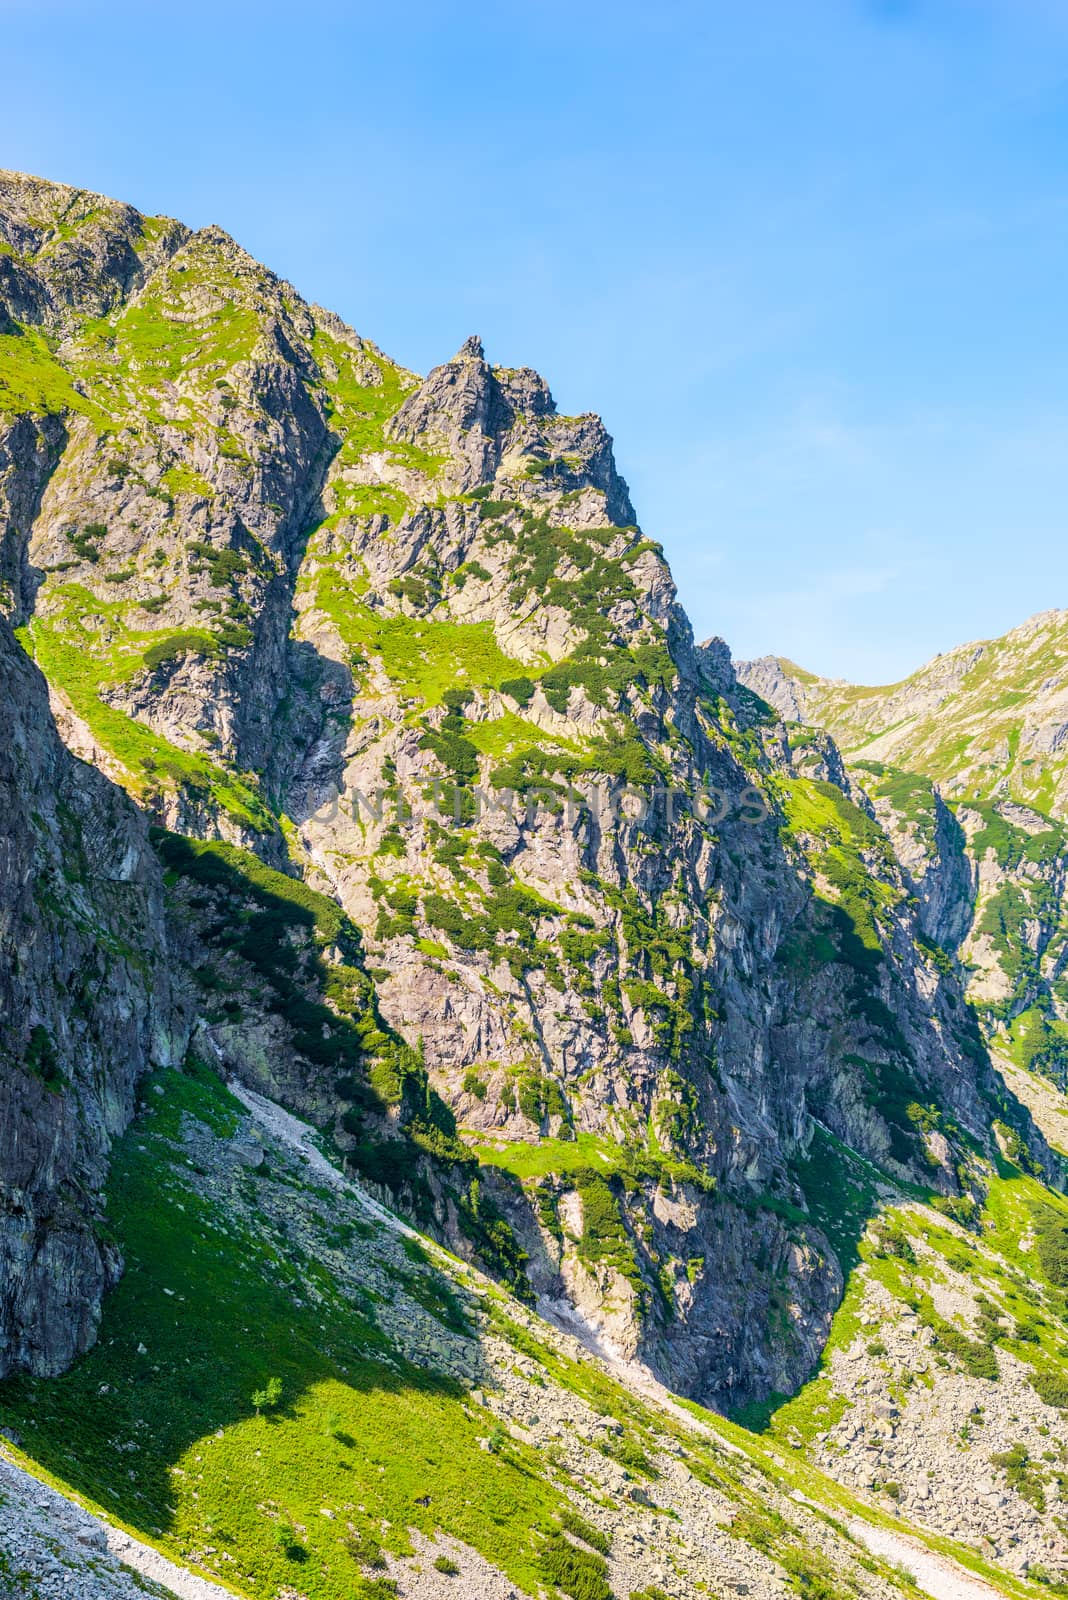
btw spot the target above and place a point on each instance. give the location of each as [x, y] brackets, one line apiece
[940, 1576]
[299, 1137]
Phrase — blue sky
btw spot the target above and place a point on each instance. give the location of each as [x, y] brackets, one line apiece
[808, 261]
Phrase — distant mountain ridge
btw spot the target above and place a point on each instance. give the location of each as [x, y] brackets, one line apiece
[987, 720]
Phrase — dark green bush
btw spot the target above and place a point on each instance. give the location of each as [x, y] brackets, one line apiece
[579, 1573]
[233, 635]
[572, 1522]
[85, 542]
[180, 644]
[41, 1057]
[1051, 1388]
[223, 566]
[977, 1359]
[521, 690]
[1051, 1243]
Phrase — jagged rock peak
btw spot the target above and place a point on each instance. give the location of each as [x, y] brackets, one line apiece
[778, 681]
[458, 398]
[483, 417]
[715, 660]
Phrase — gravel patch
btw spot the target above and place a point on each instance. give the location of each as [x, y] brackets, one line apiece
[52, 1549]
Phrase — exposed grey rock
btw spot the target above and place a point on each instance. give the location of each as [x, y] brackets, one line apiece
[85, 994]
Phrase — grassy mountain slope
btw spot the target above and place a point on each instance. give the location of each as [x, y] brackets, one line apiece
[396, 636]
[368, 647]
[292, 1395]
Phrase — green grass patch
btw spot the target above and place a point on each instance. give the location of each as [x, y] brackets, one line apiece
[547, 1156]
[205, 1316]
[152, 762]
[34, 381]
[424, 659]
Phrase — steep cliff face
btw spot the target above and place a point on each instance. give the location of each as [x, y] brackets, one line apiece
[977, 822]
[623, 935]
[84, 994]
[669, 987]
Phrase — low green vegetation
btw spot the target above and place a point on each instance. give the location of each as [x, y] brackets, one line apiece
[1051, 1243]
[848, 850]
[909, 794]
[1038, 1041]
[41, 1057]
[133, 359]
[547, 1156]
[75, 662]
[840, 1190]
[34, 382]
[423, 659]
[605, 1240]
[365, 390]
[1013, 845]
[581, 1574]
[975, 1356]
[1021, 1476]
[248, 1403]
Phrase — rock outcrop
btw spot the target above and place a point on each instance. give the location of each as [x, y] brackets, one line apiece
[963, 763]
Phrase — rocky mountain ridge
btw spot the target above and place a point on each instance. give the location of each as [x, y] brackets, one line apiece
[988, 720]
[961, 763]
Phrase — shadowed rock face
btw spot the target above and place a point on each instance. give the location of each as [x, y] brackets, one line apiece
[30, 447]
[265, 568]
[85, 1001]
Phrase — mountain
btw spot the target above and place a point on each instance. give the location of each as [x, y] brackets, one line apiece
[987, 721]
[638, 1061]
[964, 765]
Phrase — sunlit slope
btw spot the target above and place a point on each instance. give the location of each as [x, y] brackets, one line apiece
[292, 1396]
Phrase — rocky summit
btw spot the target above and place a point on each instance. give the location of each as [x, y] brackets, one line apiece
[496, 1098]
